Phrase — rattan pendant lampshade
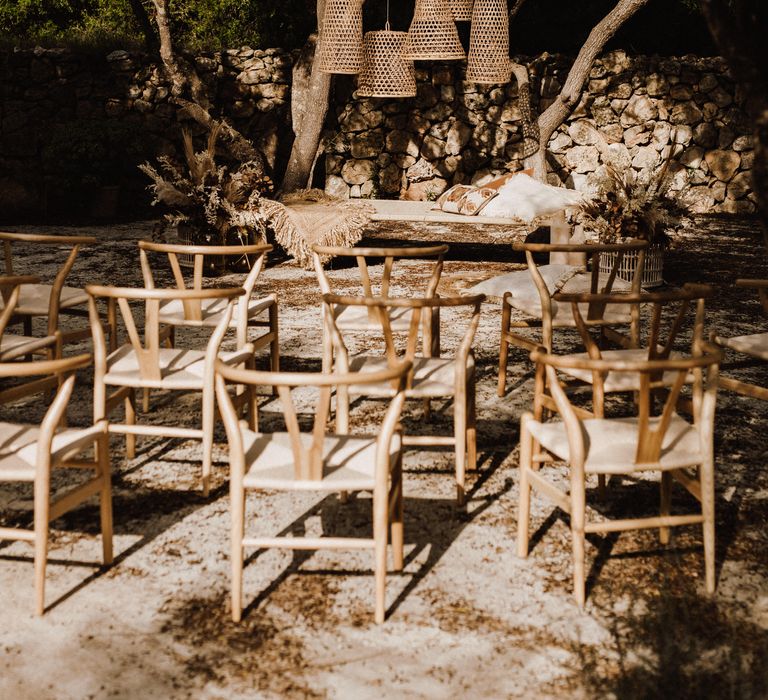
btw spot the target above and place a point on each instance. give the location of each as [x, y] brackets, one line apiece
[432, 35]
[488, 61]
[461, 10]
[341, 37]
[385, 72]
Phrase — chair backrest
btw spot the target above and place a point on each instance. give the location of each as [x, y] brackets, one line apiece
[652, 421]
[308, 459]
[10, 287]
[382, 308]
[60, 371]
[363, 254]
[668, 313]
[148, 350]
[254, 254]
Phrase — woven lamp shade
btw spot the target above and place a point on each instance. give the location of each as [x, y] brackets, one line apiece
[341, 37]
[432, 35]
[488, 61]
[461, 10]
[385, 72]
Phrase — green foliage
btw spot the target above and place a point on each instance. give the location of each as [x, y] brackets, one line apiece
[196, 24]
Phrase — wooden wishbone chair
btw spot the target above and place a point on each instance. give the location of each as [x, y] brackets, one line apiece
[430, 377]
[13, 346]
[316, 461]
[535, 303]
[752, 347]
[49, 301]
[201, 312]
[140, 364]
[32, 453]
[356, 318]
[652, 440]
[668, 313]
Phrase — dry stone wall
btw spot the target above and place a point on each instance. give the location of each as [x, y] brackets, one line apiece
[70, 123]
[632, 112]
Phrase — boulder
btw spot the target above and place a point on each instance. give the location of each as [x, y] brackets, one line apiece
[723, 164]
[432, 148]
[639, 111]
[367, 145]
[686, 113]
[617, 154]
[582, 159]
[740, 185]
[583, 133]
[636, 136]
[742, 143]
[390, 179]
[705, 135]
[647, 157]
[560, 143]
[401, 142]
[428, 190]
[356, 172]
[458, 136]
[692, 157]
[336, 187]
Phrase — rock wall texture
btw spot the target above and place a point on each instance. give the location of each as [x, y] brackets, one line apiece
[632, 112]
[72, 123]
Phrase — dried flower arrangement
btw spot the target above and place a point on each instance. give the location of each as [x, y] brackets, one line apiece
[632, 204]
[216, 205]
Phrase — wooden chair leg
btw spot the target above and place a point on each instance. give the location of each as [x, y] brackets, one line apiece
[145, 401]
[460, 446]
[380, 526]
[237, 500]
[707, 481]
[665, 504]
[396, 527]
[274, 346]
[524, 499]
[105, 498]
[471, 427]
[41, 522]
[208, 425]
[578, 516]
[130, 419]
[506, 313]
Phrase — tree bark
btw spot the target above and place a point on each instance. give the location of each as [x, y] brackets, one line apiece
[145, 24]
[188, 92]
[308, 108]
[556, 114]
[738, 32]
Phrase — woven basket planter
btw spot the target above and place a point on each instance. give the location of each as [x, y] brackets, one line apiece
[385, 72]
[461, 10]
[652, 273]
[488, 61]
[432, 35]
[341, 37]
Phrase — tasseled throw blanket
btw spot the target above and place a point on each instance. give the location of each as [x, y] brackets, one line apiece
[303, 219]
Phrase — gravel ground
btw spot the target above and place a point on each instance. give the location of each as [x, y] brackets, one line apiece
[466, 616]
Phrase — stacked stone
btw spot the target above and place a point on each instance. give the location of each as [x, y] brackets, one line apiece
[632, 112]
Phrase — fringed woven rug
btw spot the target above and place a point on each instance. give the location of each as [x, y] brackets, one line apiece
[308, 217]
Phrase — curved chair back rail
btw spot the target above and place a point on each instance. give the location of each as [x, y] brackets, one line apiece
[47, 238]
[237, 375]
[632, 245]
[31, 369]
[139, 293]
[389, 254]
[185, 249]
[60, 299]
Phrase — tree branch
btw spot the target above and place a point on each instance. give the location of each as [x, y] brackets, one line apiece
[569, 97]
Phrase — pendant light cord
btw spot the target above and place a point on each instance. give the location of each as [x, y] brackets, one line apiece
[386, 26]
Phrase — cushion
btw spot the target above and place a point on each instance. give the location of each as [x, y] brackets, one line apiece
[474, 201]
[521, 284]
[504, 179]
[448, 201]
[523, 197]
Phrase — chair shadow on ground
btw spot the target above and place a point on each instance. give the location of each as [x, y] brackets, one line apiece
[430, 524]
[635, 500]
[144, 512]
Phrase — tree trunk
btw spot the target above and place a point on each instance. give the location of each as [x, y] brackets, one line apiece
[738, 32]
[145, 24]
[188, 92]
[556, 114]
[309, 105]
